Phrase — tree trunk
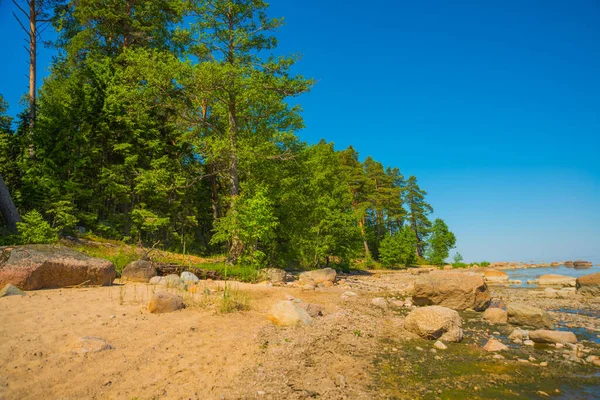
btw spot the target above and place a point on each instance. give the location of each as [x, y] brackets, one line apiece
[237, 247]
[32, 62]
[7, 208]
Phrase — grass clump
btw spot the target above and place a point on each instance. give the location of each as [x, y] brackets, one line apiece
[234, 300]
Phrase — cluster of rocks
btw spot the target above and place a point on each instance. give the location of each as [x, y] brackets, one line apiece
[293, 311]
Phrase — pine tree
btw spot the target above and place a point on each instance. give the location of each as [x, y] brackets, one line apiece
[418, 210]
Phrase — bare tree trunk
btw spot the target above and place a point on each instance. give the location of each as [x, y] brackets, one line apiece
[32, 62]
[7, 207]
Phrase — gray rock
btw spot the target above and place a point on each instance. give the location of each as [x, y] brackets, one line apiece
[275, 275]
[318, 276]
[139, 271]
[11, 290]
[172, 280]
[187, 276]
[90, 344]
[158, 280]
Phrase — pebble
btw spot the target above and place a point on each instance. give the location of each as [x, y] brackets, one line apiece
[528, 342]
[543, 364]
[440, 345]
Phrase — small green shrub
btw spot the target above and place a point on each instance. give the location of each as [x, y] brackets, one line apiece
[459, 265]
[34, 229]
[234, 300]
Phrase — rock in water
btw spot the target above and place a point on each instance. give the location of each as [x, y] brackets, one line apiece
[89, 344]
[580, 264]
[39, 266]
[524, 315]
[288, 313]
[495, 345]
[547, 336]
[589, 284]
[454, 290]
[495, 316]
[556, 280]
[435, 322]
[139, 271]
[164, 302]
[187, 276]
[318, 276]
[494, 276]
[10, 290]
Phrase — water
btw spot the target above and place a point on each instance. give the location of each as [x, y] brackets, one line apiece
[525, 274]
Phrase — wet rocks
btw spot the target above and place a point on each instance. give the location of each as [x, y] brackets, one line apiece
[495, 316]
[318, 276]
[35, 267]
[494, 345]
[435, 322]
[548, 336]
[288, 313]
[556, 280]
[580, 264]
[525, 315]
[139, 271]
[569, 264]
[11, 290]
[454, 290]
[164, 302]
[494, 276]
[589, 284]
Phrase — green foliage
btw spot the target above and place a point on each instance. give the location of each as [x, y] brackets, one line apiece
[34, 229]
[441, 240]
[233, 299]
[457, 257]
[459, 265]
[399, 248]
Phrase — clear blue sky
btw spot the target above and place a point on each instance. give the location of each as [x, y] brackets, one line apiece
[494, 106]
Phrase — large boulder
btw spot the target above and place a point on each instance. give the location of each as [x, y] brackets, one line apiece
[580, 264]
[164, 302]
[569, 264]
[524, 315]
[34, 267]
[139, 271]
[274, 275]
[495, 316]
[189, 277]
[288, 313]
[454, 290]
[494, 276]
[318, 276]
[589, 284]
[435, 322]
[547, 336]
[556, 280]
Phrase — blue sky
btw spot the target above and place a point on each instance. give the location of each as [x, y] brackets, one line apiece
[494, 106]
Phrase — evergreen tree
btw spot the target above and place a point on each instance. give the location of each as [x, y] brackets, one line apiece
[418, 210]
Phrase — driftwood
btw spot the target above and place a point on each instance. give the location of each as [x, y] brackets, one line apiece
[164, 269]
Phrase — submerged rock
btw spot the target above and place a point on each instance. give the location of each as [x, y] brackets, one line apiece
[454, 290]
[524, 315]
[288, 313]
[435, 322]
[164, 302]
[33, 267]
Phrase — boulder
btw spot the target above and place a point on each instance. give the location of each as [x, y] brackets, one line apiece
[318, 276]
[494, 345]
[589, 284]
[547, 336]
[275, 275]
[157, 280]
[188, 277]
[569, 264]
[314, 310]
[164, 302]
[10, 290]
[435, 322]
[580, 264]
[524, 315]
[33, 267]
[440, 345]
[380, 302]
[556, 280]
[171, 280]
[518, 335]
[139, 271]
[495, 316]
[494, 276]
[288, 313]
[89, 344]
[454, 290]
